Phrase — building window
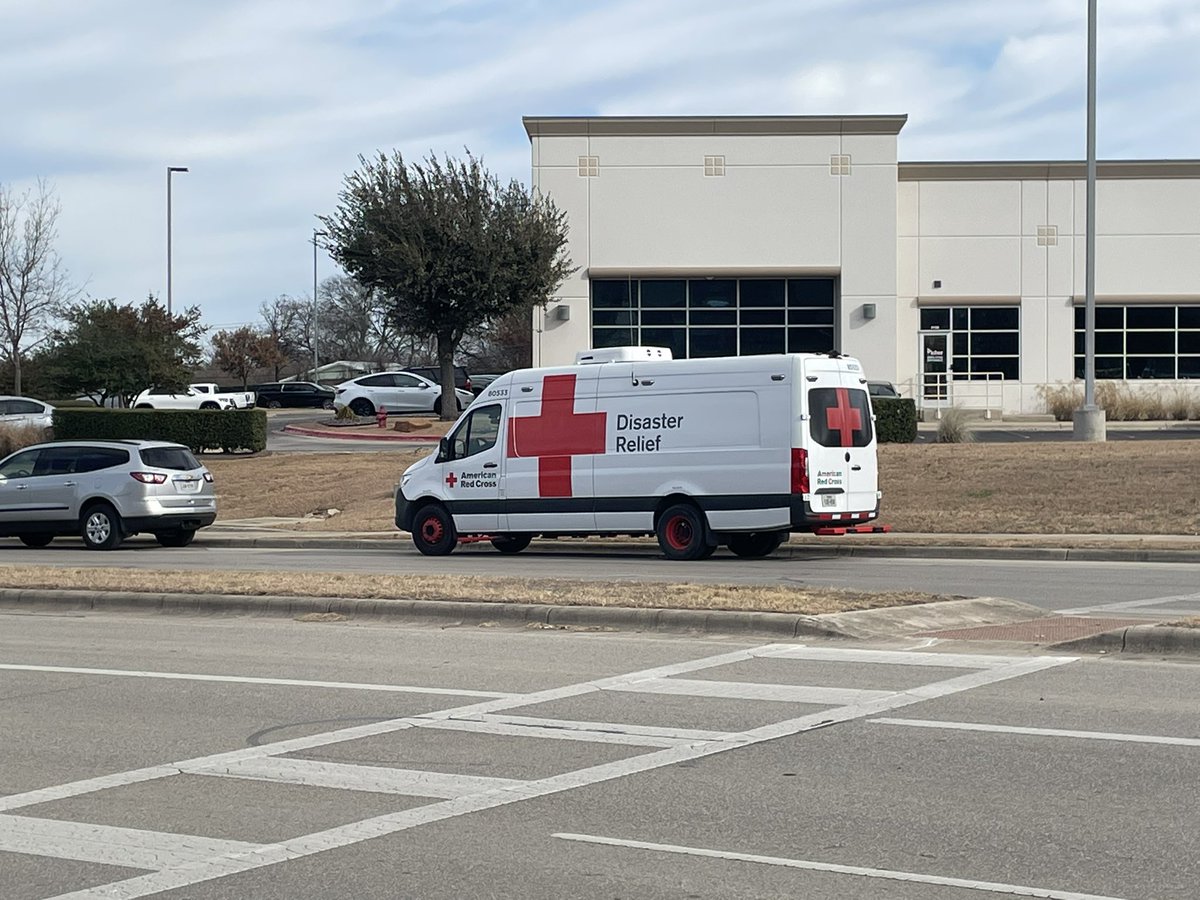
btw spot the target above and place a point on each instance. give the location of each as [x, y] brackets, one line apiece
[714, 165]
[701, 317]
[1142, 341]
[985, 341]
[589, 166]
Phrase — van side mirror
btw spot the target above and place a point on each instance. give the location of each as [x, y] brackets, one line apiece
[443, 453]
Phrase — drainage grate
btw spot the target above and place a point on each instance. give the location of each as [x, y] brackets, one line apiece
[1047, 630]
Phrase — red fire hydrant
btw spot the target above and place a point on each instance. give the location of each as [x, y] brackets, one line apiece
[381, 417]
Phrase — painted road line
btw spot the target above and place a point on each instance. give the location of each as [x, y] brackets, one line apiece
[892, 658]
[1044, 732]
[969, 884]
[293, 745]
[111, 846]
[745, 690]
[393, 823]
[243, 679]
[507, 729]
[348, 777]
[1132, 605]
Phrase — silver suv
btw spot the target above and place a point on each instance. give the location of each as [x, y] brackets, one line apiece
[105, 491]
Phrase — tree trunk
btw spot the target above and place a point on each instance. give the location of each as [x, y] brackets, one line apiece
[448, 404]
[16, 358]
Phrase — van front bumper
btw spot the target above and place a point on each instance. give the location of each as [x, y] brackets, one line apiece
[404, 511]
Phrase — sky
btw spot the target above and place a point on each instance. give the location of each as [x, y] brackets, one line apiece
[269, 103]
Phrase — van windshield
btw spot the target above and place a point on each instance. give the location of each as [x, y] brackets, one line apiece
[840, 417]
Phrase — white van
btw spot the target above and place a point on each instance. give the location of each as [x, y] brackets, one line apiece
[735, 451]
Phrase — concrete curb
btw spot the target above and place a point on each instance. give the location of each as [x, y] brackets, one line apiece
[912, 551]
[1154, 639]
[398, 437]
[446, 612]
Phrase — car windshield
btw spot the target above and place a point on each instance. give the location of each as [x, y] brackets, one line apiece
[178, 458]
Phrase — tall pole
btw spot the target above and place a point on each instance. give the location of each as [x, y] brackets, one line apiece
[1089, 420]
[171, 170]
[316, 307]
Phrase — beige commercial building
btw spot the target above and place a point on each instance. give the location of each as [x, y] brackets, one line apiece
[960, 282]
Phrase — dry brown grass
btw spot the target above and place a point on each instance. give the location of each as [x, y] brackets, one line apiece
[1186, 623]
[759, 598]
[1126, 487]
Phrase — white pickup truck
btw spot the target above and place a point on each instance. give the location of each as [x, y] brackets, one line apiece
[227, 399]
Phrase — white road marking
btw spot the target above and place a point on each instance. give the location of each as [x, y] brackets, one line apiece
[681, 734]
[745, 690]
[392, 823]
[893, 657]
[1136, 605]
[348, 777]
[969, 884]
[244, 679]
[487, 726]
[1044, 732]
[111, 846]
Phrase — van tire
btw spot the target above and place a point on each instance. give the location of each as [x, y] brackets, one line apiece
[756, 544]
[100, 527]
[682, 534]
[433, 530]
[511, 543]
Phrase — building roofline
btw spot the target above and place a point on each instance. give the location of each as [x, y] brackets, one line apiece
[631, 126]
[1052, 170]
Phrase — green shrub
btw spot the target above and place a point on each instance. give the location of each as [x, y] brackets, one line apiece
[954, 427]
[208, 429]
[18, 437]
[895, 420]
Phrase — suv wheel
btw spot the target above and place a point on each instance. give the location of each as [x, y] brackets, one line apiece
[362, 407]
[273, 404]
[36, 539]
[180, 538]
[100, 527]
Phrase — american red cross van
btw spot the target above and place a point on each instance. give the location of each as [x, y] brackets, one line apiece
[734, 451]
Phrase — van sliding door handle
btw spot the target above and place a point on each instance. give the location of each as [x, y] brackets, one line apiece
[489, 465]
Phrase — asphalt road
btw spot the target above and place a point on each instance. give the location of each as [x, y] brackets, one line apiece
[1058, 586]
[226, 758]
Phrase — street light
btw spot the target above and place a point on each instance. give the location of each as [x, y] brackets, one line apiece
[316, 308]
[171, 170]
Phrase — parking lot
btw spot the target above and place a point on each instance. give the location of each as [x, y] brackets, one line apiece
[226, 757]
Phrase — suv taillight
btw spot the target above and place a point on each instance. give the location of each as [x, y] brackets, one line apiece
[799, 470]
[150, 477]
[208, 477]
[467, 386]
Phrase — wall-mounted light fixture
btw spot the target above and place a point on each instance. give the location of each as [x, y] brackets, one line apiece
[868, 310]
[562, 313]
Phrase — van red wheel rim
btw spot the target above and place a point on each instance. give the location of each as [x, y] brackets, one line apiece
[432, 530]
[679, 533]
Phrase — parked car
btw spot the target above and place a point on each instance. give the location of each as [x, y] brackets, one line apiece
[130, 487]
[188, 398]
[882, 389]
[25, 411]
[462, 380]
[230, 399]
[305, 394]
[479, 382]
[397, 392]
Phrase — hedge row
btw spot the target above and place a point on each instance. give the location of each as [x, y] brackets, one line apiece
[895, 420]
[209, 429]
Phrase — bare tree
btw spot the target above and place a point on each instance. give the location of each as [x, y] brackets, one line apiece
[33, 283]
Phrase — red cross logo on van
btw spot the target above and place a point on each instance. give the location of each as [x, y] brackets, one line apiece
[844, 418]
[556, 435]
[451, 480]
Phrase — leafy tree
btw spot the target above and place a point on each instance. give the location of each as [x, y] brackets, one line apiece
[106, 349]
[241, 351]
[33, 284]
[446, 247]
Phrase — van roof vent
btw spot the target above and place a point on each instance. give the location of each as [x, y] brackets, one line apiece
[620, 354]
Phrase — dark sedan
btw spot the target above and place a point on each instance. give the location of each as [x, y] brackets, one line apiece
[304, 394]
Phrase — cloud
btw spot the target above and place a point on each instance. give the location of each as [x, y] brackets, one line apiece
[270, 102]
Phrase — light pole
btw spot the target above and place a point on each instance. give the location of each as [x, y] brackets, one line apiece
[171, 170]
[316, 308]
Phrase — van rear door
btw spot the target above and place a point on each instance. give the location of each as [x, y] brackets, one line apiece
[842, 466]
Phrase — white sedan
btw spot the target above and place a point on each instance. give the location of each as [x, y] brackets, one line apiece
[397, 392]
[25, 411]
